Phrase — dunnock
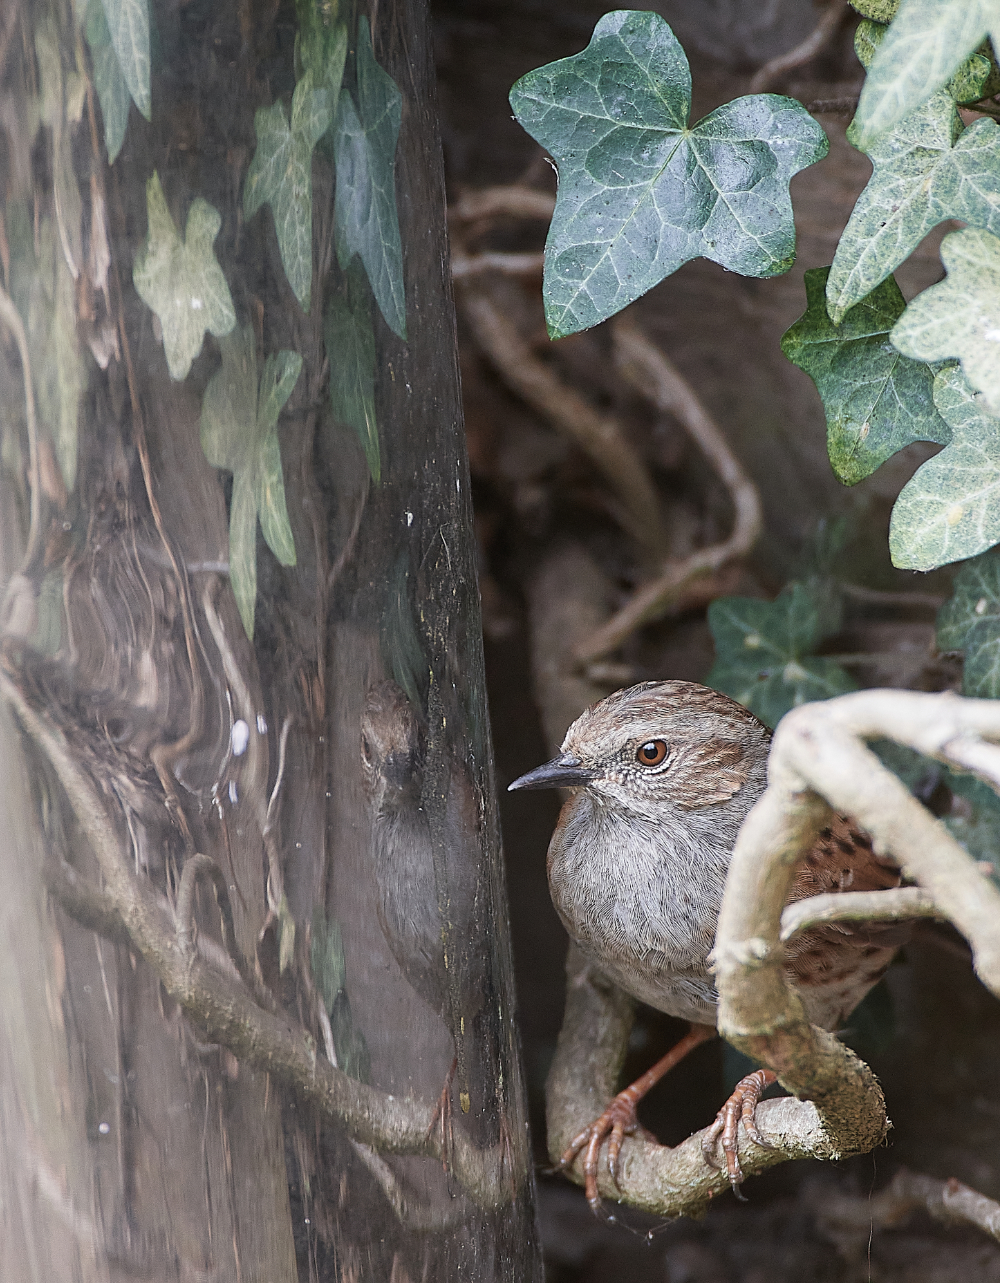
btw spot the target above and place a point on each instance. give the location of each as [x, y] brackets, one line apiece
[425, 906]
[663, 775]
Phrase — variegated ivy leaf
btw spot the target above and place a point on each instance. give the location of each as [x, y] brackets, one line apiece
[970, 622]
[926, 44]
[950, 508]
[281, 175]
[239, 417]
[365, 217]
[960, 316]
[181, 280]
[928, 170]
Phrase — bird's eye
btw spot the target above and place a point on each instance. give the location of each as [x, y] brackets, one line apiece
[651, 753]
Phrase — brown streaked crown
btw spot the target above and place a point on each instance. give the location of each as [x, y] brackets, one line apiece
[712, 743]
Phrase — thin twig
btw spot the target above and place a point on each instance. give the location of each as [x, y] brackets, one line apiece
[891, 597]
[849, 1219]
[600, 436]
[896, 905]
[490, 202]
[528, 264]
[196, 867]
[833, 106]
[814, 43]
[652, 374]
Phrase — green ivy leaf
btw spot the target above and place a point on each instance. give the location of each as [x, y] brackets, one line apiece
[281, 174]
[970, 622]
[960, 317]
[950, 508]
[350, 348]
[128, 25]
[239, 419]
[640, 193]
[112, 91]
[181, 280]
[926, 44]
[876, 400]
[365, 201]
[927, 170]
[764, 650]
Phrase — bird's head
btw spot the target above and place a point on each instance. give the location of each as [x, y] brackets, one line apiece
[391, 746]
[660, 746]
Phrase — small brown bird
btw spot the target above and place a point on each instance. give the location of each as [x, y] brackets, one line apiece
[663, 775]
[427, 908]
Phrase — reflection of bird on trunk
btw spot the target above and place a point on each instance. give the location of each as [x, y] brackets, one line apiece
[426, 913]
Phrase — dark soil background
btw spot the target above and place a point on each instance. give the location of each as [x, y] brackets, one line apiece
[933, 1035]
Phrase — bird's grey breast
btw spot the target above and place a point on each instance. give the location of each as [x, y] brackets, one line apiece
[642, 899]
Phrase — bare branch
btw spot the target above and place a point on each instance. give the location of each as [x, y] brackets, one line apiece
[814, 43]
[667, 1182]
[465, 265]
[818, 760]
[856, 906]
[849, 1219]
[652, 374]
[599, 436]
[490, 202]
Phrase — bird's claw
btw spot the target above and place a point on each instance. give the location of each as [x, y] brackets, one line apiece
[740, 1107]
[614, 1124]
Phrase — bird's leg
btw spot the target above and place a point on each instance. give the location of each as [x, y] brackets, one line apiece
[741, 1104]
[620, 1120]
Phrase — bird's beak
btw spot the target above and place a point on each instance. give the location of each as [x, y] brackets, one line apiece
[565, 771]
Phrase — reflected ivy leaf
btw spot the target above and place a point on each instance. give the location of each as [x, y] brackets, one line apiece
[950, 508]
[323, 51]
[876, 400]
[350, 349]
[641, 193]
[239, 417]
[329, 969]
[764, 650]
[128, 25]
[969, 621]
[925, 45]
[112, 91]
[56, 114]
[44, 293]
[960, 316]
[927, 170]
[365, 215]
[181, 280]
[280, 174]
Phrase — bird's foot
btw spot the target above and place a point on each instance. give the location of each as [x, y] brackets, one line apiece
[442, 1118]
[742, 1104]
[618, 1121]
